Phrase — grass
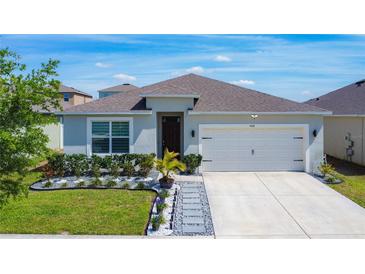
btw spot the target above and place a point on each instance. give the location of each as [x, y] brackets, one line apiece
[353, 175]
[92, 212]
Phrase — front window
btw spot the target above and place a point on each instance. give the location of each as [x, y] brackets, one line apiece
[110, 137]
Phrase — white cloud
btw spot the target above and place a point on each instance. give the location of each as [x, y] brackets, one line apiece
[102, 65]
[307, 93]
[124, 77]
[222, 58]
[243, 82]
[196, 69]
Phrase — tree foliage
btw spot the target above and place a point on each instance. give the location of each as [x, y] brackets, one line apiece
[25, 96]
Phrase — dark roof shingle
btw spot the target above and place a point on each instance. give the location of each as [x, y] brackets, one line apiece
[120, 88]
[348, 100]
[64, 88]
[214, 96]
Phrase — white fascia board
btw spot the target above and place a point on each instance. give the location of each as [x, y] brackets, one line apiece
[169, 95]
[105, 113]
[258, 113]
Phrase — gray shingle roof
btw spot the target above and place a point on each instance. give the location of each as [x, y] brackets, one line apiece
[348, 100]
[64, 88]
[214, 96]
[119, 88]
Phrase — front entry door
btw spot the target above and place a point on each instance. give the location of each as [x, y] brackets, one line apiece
[171, 133]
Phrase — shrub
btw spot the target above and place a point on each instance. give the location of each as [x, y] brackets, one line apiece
[111, 183]
[114, 169]
[125, 185]
[192, 162]
[106, 162]
[140, 185]
[146, 164]
[76, 164]
[96, 160]
[47, 172]
[169, 164]
[80, 184]
[63, 185]
[95, 170]
[326, 169]
[128, 169]
[95, 182]
[163, 194]
[57, 163]
[48, 184]
[156, 221]
[161, 207]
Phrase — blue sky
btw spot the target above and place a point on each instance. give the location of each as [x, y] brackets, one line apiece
[296, 67]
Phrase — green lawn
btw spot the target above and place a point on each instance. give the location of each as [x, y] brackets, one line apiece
[353, 175]
[117, 212]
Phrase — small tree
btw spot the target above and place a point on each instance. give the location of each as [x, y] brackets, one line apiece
[24, 96]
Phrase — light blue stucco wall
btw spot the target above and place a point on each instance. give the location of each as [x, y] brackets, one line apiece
[145, 127]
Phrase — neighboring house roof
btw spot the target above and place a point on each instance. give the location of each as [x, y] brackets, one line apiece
[64, 89]
[214, 96]
[348, 100]
[65, 105]
[120, 88]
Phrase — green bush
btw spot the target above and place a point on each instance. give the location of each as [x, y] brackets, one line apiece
[111, 183]
[48, 184]
[326, 169]
[156, 221]
[140, 185]
[125, 185]
[192, 162]
[106, 162]
[76, 164]
[64, 185]
[161, 207]
[146, 164]
[114, 169]
[163, 194]
[128, 169]
[80, 184]
[57, 162]
[96, 160]
[96, 182]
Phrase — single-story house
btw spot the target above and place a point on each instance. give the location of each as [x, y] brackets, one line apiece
[344, 130]
[233, 128]
[115, 89]
[71, 97]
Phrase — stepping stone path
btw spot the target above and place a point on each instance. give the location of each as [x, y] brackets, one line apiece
[192, 213]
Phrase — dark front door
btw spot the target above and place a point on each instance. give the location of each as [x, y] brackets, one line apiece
[171, 133]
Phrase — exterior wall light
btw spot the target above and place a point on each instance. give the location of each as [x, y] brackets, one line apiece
[254, 116]
[193, 133]
[315, 133]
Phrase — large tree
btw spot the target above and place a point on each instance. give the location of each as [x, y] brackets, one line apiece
[24, 97]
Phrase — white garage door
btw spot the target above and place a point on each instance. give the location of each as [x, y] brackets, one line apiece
[237, 148]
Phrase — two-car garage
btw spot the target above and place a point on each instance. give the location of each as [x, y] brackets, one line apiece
[241, 147]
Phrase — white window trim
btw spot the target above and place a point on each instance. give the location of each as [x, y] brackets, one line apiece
[107, 119]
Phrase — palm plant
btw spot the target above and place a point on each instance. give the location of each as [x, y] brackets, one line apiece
[168, 165]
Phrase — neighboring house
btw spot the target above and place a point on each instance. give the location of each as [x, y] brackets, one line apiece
[234, 128]
[71, 97]
[116, 89]
[344, 131]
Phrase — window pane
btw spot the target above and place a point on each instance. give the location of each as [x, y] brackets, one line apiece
[100, 145]
[120, 129]
[100, 128]
[120, 145]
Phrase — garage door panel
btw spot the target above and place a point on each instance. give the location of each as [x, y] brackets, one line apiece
[252, 149]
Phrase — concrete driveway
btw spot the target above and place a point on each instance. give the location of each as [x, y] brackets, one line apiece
[280, 205]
